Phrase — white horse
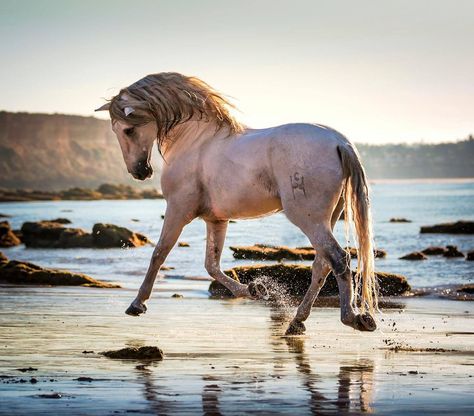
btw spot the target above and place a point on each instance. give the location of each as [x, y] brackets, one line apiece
[218, 169]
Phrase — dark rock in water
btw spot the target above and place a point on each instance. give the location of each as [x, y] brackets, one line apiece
[402, 220]
[268, 252]
[177, 296]
[88, 379]
[48, 234]
[416, 255]
[378, 253]
[61, 221]
[434, 251]
[88, 352]
[7, 236]
[183, 244]
[109, 235]
[295, 279]
[279, 253]
[469, 257]
[3, 258]
[452, 251]
[18, 272]
[133, 353]
[4, 215]
[24, 370]
[50, 396]
[468, 288]
[459, 227]
[19, 234]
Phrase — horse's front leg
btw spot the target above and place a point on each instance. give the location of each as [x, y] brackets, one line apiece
[172, 227]
[216, 231]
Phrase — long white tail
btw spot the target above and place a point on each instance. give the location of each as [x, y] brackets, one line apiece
[357, 209]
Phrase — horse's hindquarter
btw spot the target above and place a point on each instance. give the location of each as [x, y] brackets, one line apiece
[247, 175]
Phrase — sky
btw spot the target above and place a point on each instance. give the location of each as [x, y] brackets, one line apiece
[377, 71]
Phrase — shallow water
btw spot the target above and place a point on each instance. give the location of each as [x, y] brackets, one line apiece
[424, 203]
[228, 357]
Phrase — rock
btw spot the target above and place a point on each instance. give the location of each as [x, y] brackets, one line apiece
[27, 369]
[177, 296]
[402, 220]
[109, 235]
[469, 257]
[7, 236]
[88, 379]
[279, 253]
[50, 396]
[416, 255]
[47, 234]
[452, 251]
[459, 227]
[183, 244]
[134, 353]
[4, 215]
[18, 272]
[378, 253]
[3, 258]
[267, 252]
[467, 288]
[166, 268]
[61, 221]
[434, 251]
[295, 279]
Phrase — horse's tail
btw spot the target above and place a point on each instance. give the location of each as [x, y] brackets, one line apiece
[357, 208]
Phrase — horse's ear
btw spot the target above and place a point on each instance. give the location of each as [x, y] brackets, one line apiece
[105, 107]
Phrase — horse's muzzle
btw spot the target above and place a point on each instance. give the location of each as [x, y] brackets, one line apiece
[142, 171]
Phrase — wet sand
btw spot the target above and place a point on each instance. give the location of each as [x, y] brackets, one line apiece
[228, 357]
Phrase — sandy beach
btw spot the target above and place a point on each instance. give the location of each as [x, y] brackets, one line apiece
[228, 357]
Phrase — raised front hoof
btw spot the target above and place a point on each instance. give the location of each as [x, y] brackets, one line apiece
[296, 328]
[258, 291]
[365, 322]
[134, 310]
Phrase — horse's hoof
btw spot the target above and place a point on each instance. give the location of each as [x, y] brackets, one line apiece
[134, 310]
[258, 291]
[296, 328]
[365, 323]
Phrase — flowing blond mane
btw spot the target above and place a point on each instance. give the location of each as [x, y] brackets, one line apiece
[170, 98]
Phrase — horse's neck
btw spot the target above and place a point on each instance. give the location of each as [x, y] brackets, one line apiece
[188, 136]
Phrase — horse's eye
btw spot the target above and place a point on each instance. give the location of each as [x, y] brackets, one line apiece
[129, 132]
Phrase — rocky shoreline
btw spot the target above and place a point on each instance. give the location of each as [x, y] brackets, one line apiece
[104, 191]
[24, 273]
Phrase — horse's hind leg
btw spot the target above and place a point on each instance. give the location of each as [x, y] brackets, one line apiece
[330, 253]
[320, 270]
[319, 273]
[216, 231]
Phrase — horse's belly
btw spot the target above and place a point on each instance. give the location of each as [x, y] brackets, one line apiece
[244, 206]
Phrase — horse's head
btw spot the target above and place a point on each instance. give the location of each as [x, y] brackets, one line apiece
[152, 107]
[136, 141]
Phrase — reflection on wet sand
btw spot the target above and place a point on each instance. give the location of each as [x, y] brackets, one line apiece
[356, 375]
[349, 392]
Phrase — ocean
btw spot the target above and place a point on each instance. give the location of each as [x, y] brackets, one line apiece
[422, 202]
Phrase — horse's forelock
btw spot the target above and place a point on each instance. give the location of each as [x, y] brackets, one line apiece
[169, 99]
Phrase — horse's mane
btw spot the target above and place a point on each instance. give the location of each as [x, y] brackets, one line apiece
[170, 98]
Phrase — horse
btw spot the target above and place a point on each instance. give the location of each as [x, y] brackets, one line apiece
[217, 169]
